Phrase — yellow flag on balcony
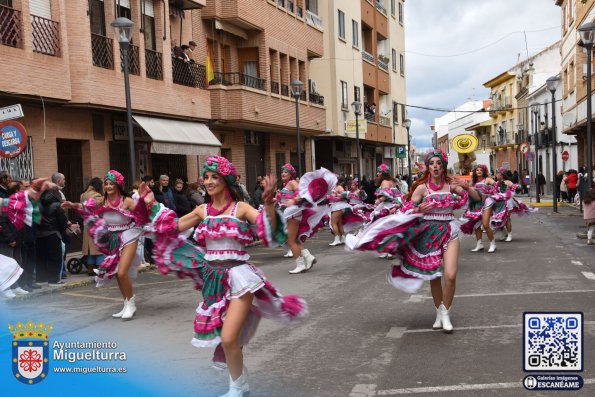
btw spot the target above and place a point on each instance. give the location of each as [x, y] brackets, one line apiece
[209, 65]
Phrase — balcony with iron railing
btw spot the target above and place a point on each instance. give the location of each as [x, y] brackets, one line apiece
[189, 74]
[366, 56]
[46, 36]
[285, 90]
[313, 19]
[11, 31]
[242, 79]
[275, 87]
[316, 98]
[383, 63]
[102, 50]
[133, 60]
[381, 7]
[154, 64]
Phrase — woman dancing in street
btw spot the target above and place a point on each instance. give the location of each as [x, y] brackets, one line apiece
[338, 205]
[472, 218]
[288, 192]
[236, 294]
[114, 222]
[424, 237]
[307, 213]
[348, 211]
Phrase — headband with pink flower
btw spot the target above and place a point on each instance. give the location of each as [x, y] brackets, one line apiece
[222, 166]
[437, 153]
[115, 177]
[289, 169]
[383, 169]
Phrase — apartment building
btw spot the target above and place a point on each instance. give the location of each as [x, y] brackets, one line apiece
[363, 61]
[573, 66]
[64, 67]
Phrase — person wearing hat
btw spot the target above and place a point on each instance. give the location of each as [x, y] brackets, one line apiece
[116, 228]
[424, 236]
[191, 51]
[235, 293]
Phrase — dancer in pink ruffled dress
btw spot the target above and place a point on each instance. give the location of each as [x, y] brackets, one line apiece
[235, 293]
[472, 218]
[423, 237]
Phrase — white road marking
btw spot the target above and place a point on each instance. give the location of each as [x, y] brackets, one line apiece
[396, 332]
[414, 331]
[589, 275]
[523, 293]
[92, 296]
[577, 263]
[368, 390]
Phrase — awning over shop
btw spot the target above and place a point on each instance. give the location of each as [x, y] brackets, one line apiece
[179, 137]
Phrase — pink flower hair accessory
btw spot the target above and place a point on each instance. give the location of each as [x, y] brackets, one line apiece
[437, 153]
[115, 177]
[289, 169]
[383, 169]
[222, 166]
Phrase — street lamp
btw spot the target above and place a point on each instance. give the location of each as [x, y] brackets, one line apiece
[123, 28]
[552, 84]
[296, 90]
[407, 125]
[587, 32]
[520, 140]
[357, 109]
[535, 111]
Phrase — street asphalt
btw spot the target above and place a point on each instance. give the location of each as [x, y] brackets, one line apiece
[363, 337]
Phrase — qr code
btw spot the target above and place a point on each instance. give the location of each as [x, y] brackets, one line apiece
[553, 342]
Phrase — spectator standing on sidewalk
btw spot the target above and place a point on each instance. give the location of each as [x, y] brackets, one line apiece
[50, 232]
[563, 187]
[28, 252]
[163, 193]
[94, 258]
[541, 184]
[572, 183]
[589, 214]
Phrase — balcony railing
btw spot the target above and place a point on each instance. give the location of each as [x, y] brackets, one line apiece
[102, 51]
[303, 96]
[281, 3]
[367, 56]
[240, 79]
[285, 90]
[382, 64]
[380, 6]
[370, 117]
[11, 33]
[274, 87]
[46, 35]
[133, 60]
[316, 98]
[154, 64]
[290, 6]
[188, 73]
[385, 121]
[300, 11]
[313, 19]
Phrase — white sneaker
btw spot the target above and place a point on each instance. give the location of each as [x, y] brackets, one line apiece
[492, 246]
[288, 254]
[20, 291]
[336, 241]
[8, 294]
[478, 246]
[300, 266]
[509, 237]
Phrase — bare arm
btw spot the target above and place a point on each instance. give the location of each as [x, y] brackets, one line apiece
[194, 218]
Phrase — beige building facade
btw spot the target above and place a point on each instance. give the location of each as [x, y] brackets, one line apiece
[364, 61]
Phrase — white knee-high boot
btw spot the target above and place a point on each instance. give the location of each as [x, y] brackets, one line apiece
[119, 314]
[444, 316]
[478, 246]
[238, 387]
[438, 322]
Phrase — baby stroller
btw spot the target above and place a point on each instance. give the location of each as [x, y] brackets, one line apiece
[75, 265]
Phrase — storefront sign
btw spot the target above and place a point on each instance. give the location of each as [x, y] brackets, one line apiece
[362, 125]
[13, 139]
[121, 132]
[11, 112]
[401, 152]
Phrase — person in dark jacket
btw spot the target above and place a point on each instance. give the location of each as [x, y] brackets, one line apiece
[181, 200]
[257, 200]
[49, 236]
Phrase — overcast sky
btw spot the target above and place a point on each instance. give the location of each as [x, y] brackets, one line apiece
[452, 47]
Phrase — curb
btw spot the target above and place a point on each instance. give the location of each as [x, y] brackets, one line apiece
[75, 284]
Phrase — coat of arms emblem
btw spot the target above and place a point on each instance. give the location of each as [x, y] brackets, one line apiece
[30, 351]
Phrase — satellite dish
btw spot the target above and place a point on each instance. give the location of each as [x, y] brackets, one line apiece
[383, 109]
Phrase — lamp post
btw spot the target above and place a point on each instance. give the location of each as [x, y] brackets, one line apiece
[587, 32]
[357, 109]
[407, 125]
[519, 140]
[552, 84]
[483, 139]
[123, 27]
[296, 90]
[535, 111]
